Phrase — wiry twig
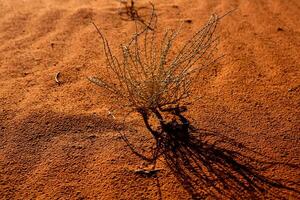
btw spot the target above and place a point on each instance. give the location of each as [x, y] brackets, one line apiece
[132, 12]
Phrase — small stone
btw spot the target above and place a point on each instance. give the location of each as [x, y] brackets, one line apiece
[189, 21]
[279, 29]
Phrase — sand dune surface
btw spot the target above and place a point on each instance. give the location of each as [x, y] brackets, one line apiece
[57, 141]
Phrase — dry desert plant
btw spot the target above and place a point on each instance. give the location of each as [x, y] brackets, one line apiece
[152, 82]
[129, 6]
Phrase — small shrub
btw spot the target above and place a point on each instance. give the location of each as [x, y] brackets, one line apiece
[151, 81]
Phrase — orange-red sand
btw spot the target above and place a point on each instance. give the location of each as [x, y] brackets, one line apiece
[57, 142]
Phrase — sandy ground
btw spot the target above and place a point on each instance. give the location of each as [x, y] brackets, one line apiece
[57, 142]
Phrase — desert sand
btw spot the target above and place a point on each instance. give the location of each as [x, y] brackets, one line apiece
[58, 142]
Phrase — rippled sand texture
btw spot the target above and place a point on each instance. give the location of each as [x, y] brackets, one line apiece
[57, 142]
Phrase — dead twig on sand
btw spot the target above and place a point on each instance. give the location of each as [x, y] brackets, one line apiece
[131, 11]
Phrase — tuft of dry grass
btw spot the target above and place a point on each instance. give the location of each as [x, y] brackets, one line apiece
[146, 77]
[152, 80]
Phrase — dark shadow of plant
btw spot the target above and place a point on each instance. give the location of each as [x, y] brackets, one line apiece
[210, 169]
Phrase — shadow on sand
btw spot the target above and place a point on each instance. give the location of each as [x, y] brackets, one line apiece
[208, 169]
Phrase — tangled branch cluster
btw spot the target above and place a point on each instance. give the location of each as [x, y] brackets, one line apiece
[150, 80]
[146, 77]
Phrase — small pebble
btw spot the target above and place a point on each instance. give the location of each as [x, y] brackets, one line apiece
[189, 21]
[279, 29]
